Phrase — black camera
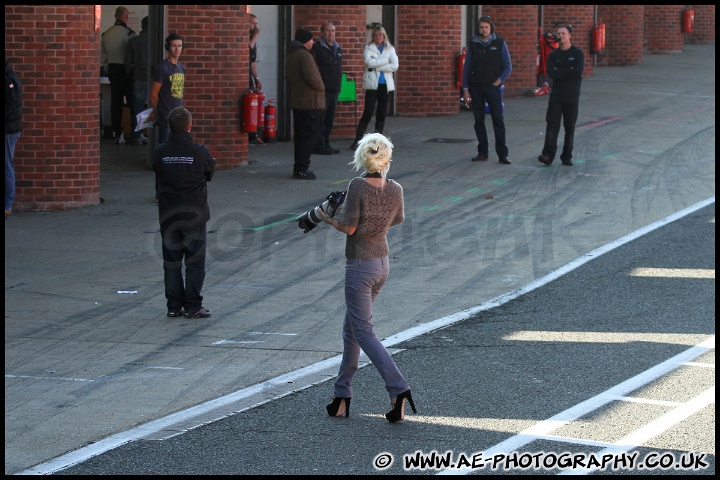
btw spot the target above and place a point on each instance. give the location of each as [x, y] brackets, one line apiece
[310, 219]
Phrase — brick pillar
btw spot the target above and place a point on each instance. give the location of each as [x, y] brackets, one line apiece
[216, 68]
[426, 77]
[623, 35]
[663, 32]
[350, 33]
[55, 51]
[581, 17]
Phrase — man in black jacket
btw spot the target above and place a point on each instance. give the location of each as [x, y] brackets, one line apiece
[306, 99]
[328, 56]
[565, 67]
[182, 169]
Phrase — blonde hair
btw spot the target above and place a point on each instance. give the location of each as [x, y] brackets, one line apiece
[380, 29]
[373, 154]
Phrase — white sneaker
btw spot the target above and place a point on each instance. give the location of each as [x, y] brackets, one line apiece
[120, 139]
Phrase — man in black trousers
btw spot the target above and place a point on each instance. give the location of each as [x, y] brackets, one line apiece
[565, 67]
[328, 56]
[182, 169]
[307, 101]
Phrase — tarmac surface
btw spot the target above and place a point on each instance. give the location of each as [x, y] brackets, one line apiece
[593, 370]
[90, 367]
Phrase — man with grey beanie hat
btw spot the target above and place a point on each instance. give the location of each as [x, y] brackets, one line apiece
[307, 101]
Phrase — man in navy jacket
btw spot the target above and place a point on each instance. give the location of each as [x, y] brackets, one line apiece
[328, 56]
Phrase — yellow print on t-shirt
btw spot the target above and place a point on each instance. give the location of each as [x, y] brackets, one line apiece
[177, 85]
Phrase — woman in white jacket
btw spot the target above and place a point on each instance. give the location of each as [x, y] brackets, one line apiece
[378, 81]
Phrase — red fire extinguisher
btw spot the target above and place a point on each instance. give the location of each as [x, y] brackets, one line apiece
[460, 66]
[249, 111]
[688, 20]
[598, 38]
[269, 134]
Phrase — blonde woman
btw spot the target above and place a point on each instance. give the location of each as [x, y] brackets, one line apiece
[381, 62]
[372, 205]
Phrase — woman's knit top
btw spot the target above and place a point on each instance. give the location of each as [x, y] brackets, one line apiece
[372, 210]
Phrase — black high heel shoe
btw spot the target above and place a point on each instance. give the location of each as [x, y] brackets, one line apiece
[398, 411]
[340, 406]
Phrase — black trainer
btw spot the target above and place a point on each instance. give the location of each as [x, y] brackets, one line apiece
[202, 313]
[545, 159]
[322, 151]
[326, 150]
[304, 175]
[176, 313]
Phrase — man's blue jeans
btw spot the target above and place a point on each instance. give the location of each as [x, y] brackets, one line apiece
[10, 142]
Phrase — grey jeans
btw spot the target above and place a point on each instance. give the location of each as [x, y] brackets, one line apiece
[363, 281]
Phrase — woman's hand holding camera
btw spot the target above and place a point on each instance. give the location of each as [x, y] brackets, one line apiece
[328, 219]
[340, 227]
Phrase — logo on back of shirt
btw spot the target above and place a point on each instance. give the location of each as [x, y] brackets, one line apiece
[176, 160]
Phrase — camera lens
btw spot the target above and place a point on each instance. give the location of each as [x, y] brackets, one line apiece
[310, 219]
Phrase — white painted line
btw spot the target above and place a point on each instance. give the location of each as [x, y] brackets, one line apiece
[51, 378]
[649, 401]
[546, 427]
[228, 342]
[577, 441]
[700, 364]
[272, 333]
[652, 429]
